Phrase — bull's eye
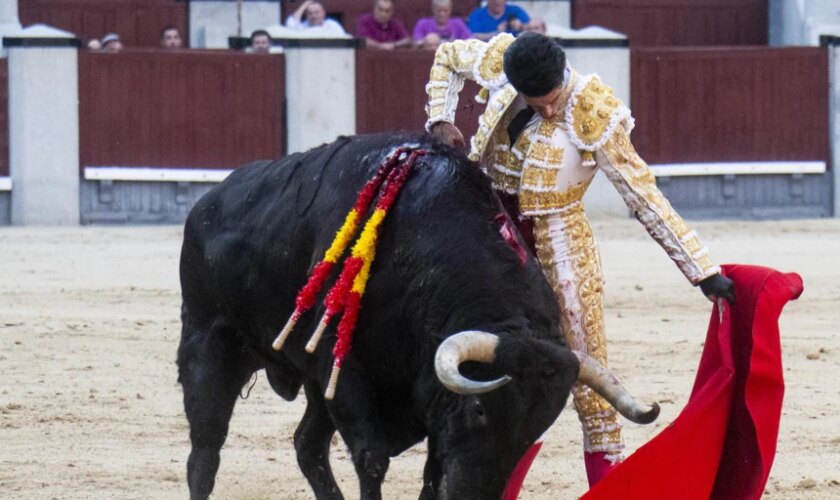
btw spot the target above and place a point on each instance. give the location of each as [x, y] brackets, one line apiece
[478, 408]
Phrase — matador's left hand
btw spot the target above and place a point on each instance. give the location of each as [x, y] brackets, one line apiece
[718, 286]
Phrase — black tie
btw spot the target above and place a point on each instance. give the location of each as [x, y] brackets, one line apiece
[518, 123]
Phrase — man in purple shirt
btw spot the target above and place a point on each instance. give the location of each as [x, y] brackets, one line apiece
[429, 32]
[380, 29]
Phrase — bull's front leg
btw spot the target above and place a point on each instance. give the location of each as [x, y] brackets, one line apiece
[357, 418]
[312, 444]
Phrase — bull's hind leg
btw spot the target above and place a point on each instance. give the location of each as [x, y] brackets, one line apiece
[312, 443]
[212, 370]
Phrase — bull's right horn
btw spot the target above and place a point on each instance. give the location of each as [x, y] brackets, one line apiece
[594, 375]
[466, 346]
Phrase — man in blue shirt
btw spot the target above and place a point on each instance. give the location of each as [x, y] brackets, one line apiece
[497, 17]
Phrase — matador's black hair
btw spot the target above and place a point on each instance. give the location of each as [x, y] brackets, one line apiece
[534, 64]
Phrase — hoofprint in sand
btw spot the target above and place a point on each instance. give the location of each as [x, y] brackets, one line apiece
[90, 407]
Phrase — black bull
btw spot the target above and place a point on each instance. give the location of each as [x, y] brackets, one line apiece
[442, 267]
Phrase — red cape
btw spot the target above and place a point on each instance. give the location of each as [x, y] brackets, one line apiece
[723, 443]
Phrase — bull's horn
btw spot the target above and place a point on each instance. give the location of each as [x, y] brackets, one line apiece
[602, 381]
[466, 346]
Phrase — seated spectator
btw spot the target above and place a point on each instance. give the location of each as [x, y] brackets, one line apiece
[94, 44]
[311, 15]
[170, 38]
[429, 32]
[381, 30]
[536, 25]
[111, 43]
[497, 17]
[260, 42]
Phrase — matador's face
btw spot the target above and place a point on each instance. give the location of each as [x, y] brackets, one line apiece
[548, 105]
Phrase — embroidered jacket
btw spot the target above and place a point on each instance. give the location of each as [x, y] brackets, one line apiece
[552, 162]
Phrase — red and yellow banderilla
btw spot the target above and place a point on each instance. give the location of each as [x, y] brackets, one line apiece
[346, 294]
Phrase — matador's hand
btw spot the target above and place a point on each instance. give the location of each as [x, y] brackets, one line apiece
[718, 286]
[449, 133]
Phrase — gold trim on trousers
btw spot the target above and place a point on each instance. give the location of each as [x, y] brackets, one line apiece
[569, 257]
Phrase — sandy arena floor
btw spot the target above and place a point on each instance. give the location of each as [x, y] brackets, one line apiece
[90, 407]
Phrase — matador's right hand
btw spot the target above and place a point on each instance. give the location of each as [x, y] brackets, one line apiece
[449, 133]
[718, 286]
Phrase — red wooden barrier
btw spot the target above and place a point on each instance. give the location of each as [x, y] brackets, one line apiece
[391, 95]
[138, 22]
[180, 109]
[4, 118]
[730, 104]
[678, 22]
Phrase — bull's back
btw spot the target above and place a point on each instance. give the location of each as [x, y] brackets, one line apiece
[259, 230]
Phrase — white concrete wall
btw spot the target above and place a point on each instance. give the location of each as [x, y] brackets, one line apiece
[801, 22]
[321, 85]
[9, 21]
[44, 135]
[553, 12]
[834, 119]
[613, 66]
[212, 22]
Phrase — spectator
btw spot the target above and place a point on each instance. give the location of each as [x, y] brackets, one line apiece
[536, 25]
[497, 17]
[111, 43]
[94, 44]
[170, 38]
[311, 15]
[381, 30]
[441, 27]
[260, 42]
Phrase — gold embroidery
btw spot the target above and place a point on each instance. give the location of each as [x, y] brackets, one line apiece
[655, 212]
[492, 64]
[540, 177]
[539, 151]
[489, 120]
[531, 201]
[439, 73]
[548, 154]
[593, 110]
[545, 255]
[602, 431]
[547, 128]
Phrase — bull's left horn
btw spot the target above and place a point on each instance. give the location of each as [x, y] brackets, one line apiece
[603, 382]
[466, 346]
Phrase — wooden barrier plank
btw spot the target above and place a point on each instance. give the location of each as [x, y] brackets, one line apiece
[391, 93]
[198, 109]
[138, 22]
[649, 23]
[730, 104]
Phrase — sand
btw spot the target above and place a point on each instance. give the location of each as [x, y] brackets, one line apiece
[90, 406]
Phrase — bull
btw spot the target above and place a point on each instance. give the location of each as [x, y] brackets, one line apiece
[458, 339]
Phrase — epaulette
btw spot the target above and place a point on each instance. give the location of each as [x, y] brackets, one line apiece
[489, 69]
[593, 113]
